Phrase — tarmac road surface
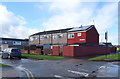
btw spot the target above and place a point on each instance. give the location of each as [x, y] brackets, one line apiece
[53, 68]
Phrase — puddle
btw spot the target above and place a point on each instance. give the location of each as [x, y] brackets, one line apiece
[20, 70]
[108, 70]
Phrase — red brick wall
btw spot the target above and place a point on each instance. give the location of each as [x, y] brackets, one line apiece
[86, 50]
[92, 37]
[55, 50]
[77, 38]
[37, 51]
[68, 51]
[90, 50]
[24, 51]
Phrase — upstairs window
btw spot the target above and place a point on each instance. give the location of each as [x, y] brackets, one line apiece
[70, 35]
[33, 38]
[42, 37]
[16, 42]
[55, 36]
[60, 35]
[79, 34]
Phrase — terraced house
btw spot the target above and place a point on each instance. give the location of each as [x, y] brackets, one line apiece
[76, 41]
[86, 35]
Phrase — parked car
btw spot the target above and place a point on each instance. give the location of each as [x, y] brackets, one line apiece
[11, 53]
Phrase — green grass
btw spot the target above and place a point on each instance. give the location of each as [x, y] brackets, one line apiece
[45, 57]
[2, 65]
[103, 57]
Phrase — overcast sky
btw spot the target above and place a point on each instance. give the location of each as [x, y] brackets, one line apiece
[21, 19]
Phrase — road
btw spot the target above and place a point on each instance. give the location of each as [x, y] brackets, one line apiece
[53, 68]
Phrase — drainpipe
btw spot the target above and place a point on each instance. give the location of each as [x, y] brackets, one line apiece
[39, 39]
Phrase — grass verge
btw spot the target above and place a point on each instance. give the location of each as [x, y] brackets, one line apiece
[110, 57]
[44, 57]
[2, 65]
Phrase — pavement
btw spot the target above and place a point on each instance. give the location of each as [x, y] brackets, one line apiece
[8, 72]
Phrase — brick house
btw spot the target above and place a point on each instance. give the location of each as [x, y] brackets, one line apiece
[77, 35]
[68, 42]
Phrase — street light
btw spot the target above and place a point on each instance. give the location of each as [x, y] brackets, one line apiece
[106, 38]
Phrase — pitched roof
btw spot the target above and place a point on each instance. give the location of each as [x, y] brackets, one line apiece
[81, 28]
[52, 31]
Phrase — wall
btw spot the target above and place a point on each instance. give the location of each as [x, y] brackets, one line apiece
[47, 51]
[35, 41]
[68, 51]
[4, 46]
[55, 50]
[82, 50]
[47, 40]
[62, 40]
[90, 50]
[36, 51]
[77, 38]
[92, 37]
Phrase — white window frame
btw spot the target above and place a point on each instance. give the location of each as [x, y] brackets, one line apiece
[31, 39]
[60, 35]
[42, 37]
[55, 36]
[79, 34]
[71, 35]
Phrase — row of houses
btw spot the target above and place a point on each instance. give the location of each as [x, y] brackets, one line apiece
[86, 35]
[69, 42]
[54, 42]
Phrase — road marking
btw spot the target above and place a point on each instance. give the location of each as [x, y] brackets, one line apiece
[101, 67]
[30, 73]
[57, 76]
[27, 74]
[83, 69]
[25, 70]
[60, 77]
[80, 73]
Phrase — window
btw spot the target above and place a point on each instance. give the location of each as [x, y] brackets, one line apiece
[46, 36]
[5, 41]
[31, 38]
[42, 37]
[16, 42]
[60, 35]
[70, 35]
[55, 36]
[35, 38]
[79, 34]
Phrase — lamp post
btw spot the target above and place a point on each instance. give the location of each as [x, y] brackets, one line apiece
[106, 38]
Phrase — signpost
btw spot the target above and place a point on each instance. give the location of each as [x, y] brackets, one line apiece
[106, 38]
